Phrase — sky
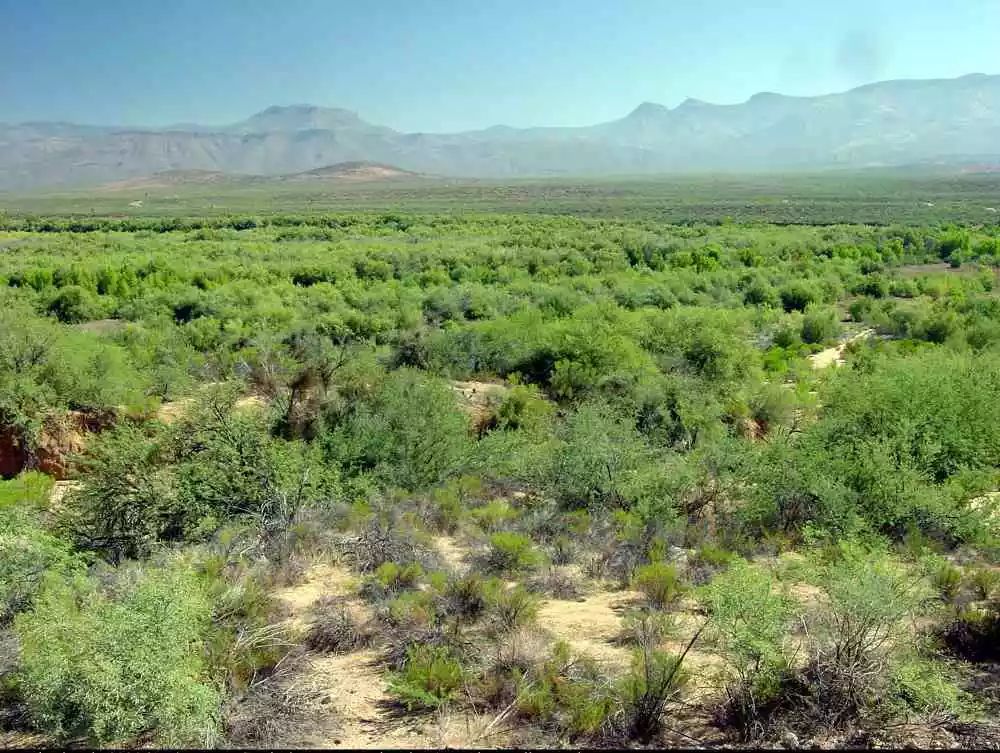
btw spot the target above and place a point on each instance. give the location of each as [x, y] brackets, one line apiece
[447, 65]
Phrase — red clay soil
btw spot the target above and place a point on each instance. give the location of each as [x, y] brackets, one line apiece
[63, 436]
[13, 456]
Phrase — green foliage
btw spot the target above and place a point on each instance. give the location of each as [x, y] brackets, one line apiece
[655, 680]
[947, 580]
[494, 514]
[128, 501]
[510, 552]
[927, 689]
[750, 622]
[985, 582]
[658, 392]
[114, 668]
[411, 433]
[819, 325]
[660, 582]
[511, 608]
[27, 554]
[430, 678]
[391, 577]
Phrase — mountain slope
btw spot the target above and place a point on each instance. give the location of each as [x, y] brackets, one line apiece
[887, 123]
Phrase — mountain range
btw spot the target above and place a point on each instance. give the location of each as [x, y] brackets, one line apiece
[882, 124]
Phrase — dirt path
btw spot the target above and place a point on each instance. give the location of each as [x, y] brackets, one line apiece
[360, 713]
[591, 625]
[170, 412]
[835, 356]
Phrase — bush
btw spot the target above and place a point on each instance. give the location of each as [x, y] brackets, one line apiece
[27, 553]
[645, 627]
[465, 597]
[984, 582]
[72, 305]
[511, 552]
[797, 296]
[411, 434]
[112, 669]
[430, 678]
[512, 608]
[660, 582]
[128, 500]
[926, 688]
[947, 580]
[558, 583]
[750, 622]
[494, 514]
[857, 632]
[655, 681]
[974, 635]
[390, 578]
[819, 325]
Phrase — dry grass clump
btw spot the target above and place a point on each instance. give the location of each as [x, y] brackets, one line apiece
[288, 697]
[336, 628]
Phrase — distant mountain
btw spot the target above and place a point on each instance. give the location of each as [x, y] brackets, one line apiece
[884, 124]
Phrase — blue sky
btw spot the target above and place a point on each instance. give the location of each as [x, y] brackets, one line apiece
[442, 65]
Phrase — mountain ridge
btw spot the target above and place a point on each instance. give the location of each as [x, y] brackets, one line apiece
[882, 123]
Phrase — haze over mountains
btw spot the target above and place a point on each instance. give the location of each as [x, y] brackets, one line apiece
[881, 124]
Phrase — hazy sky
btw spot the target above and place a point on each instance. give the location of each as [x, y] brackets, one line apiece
[441, 65]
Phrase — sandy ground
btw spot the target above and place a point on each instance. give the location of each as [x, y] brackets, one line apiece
[835, 356]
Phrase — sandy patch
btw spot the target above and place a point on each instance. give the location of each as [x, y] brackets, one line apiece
[591, 625]
[835, 356]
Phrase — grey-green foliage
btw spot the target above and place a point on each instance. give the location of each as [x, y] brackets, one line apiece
[27, 552]
[597, 458]
[111, 668]
[411, 433]
[750, 622]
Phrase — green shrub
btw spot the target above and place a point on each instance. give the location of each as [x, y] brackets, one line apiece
[494, 514]
[411, 608]
[797, 296]
[857, 632]
[72, 305]
[411, 433]
[513, 607]
[512, 552]
[391, 577]
[654, 681]
[984, 582]
[819, 325]
[27, 553]
[660, 582]
[430, 678]
[947, 580]
[466, 597]
[523, 407]
[113, 669]
[927, 689]
[750, 623]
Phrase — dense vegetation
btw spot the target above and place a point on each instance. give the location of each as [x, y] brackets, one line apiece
[238, 398]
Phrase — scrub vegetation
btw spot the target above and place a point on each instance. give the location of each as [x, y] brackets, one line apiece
[391, 479]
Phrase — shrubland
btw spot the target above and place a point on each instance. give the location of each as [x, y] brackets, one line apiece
[638, 411]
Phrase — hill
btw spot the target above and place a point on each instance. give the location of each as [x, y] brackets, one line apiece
[954, 121]
[355, 172]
